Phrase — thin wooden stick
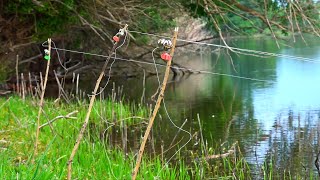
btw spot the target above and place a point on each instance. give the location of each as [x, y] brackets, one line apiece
[17, 74]
[43, 90]
[156, 108]
[22, 87]
[68, 116]
[30, 84]
[83, 128]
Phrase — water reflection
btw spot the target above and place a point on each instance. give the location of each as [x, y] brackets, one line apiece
[275, 121]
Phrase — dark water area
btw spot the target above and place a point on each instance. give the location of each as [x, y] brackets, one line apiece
[278, 119]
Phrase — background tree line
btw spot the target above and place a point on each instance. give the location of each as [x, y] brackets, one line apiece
[24, 23]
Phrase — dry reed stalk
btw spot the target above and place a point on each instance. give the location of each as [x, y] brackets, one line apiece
[143, 87]
[43, 90]
[92, 99]
[61, 90]
[30, 84]
[201, 135]
[23, 87]
[68, 116]
[41, 82]
[162, 152]
[156, 108]
[77, 85]
[17, 74]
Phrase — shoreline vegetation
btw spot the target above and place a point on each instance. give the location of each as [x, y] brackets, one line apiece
[109, 148]
[89, 27]
[96, 159]
[104, 153]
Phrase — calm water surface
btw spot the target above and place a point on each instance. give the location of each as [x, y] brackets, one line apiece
[277, 119]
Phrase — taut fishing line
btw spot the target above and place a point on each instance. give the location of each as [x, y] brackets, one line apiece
[167, 113]
[179, 68]
[114, 60]
[72, 51]
[234, 48]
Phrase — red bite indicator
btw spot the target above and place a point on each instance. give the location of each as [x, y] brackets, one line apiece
[166, 56]
[116, 38]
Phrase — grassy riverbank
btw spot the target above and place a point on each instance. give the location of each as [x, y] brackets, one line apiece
[98, 157]
[94, 160]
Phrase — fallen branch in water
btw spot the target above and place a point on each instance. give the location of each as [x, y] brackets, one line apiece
[215, 156]
[68, 116]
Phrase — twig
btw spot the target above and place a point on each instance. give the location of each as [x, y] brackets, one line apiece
[143, 87]
[84, 126]
[174, 138]
[203, 145]
[43, 90]
[231, 151]
[63, 93]
[17, 74]
[22, 86]
[156, 108]
[68, 116]
[30, 59]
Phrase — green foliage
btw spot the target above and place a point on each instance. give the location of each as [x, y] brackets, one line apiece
[155, 19]
[234, 19]
[49, 17]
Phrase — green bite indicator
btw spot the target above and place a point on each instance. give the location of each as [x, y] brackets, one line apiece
[47, 57]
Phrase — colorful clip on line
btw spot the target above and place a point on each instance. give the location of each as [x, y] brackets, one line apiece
[46, 56]
[166, 56]
[116, 38]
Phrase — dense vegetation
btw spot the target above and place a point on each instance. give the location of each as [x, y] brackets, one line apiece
[89, 25]
[24, 21]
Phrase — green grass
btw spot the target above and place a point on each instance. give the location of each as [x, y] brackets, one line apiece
[99, 159]
[94, 159]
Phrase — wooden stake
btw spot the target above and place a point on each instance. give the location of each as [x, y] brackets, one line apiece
[43, 90]
[86, 121]
[156, 108]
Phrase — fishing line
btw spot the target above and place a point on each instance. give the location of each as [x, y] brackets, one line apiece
[179, 68]
[167, 113]
[110, 68]
[54, 44]
[234, 48]
[114, 60]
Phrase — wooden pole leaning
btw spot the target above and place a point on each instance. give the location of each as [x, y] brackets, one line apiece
[43, 90]
[92, 99]
[156, 108]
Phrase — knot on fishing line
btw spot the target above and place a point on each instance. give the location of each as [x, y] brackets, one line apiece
[166, 44]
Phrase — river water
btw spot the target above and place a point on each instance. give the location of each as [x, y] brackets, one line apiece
[276, 119]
